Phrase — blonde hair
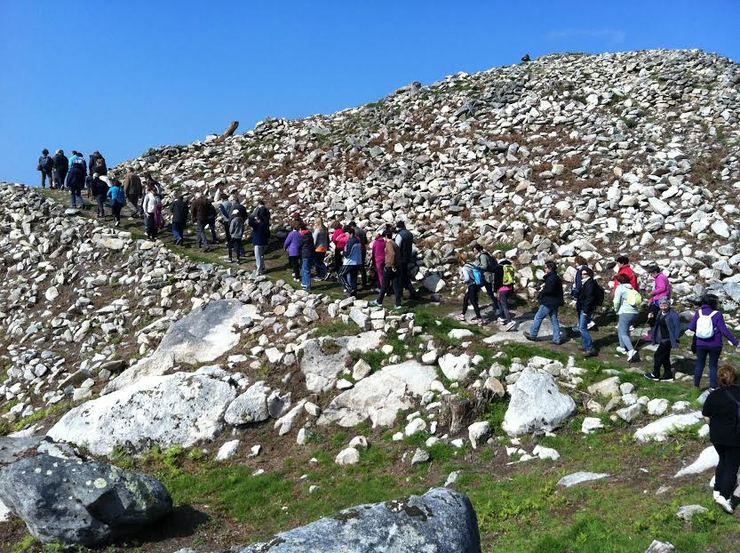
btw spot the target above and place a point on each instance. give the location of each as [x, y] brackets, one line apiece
[462, 257]
[318, 222]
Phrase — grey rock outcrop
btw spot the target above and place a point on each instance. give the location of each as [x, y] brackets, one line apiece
[81, 502]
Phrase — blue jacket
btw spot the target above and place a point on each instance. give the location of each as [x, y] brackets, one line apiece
[116, 195]
[293, 243]
[76, 178]
[353, 251]
[260, 232]
[674, 327]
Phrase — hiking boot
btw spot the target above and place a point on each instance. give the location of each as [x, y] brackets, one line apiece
[529, 337]
[651, 376]
[591, 353]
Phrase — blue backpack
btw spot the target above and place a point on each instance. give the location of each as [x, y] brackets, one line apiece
[478, 275]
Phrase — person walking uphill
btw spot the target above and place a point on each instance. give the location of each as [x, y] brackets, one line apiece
[623, 263]
[179, 210]
[133, 189]
[46, 166]
[661, 290]
[260, 235]
[503, 284]
[61, 167]
[76, 182]
[708, 327]
[627, 302]
[405, 241]
[292, 246]
[117, 200]
[321, 246]
[99, 189]
[666, 333]
[589, 298]
[472, 277]
[551, 299]
[236, 233]
[199, 214]
[488, 265]
[390, 270]
[721, 410]
[149, 205]
[307, 253]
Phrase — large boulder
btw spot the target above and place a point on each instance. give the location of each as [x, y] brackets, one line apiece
[202, 336]
[177, 409]
[324, 358]
[380, 396]
[76, 502]
[440, 521]
[536, 404]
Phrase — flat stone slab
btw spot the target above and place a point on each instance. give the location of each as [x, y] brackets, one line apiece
[708, 459]
[580, 477]
[658, 430]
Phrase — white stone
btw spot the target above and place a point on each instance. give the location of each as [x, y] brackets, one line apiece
[708, 459]
[478, 433]
[415, 426]
[590, 424]
[657, 406]
[348, 456]
[546, 453]
[227, 451]
[658, 430]
[251, 406]
[579, 478]
[455, 367]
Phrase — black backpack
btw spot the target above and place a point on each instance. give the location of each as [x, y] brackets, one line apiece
[489, 265]
[47, 163]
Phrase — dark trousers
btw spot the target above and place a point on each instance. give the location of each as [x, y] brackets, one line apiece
[212, 226]
[390, 278]
[236, 245]
[489, 290]
[348, 277]
[101, 205]
[200, 234]
[725, 476]
[471, 298]
[295, 262]
[44, 176]
[662, 358]
[116, 208]
[151, 226]
[701, 359]
[318, 262]
[337, 261]
[59, 177]
[227, 232]
[405, 279]
[178, 230]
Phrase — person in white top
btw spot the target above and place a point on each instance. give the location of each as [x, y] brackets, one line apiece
[149, 205]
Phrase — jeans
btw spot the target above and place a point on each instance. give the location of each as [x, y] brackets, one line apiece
[471, 297]
[200, 234]
[44, 176]
[306, 272]
[701, 360]
[58, 181]
[318, 261]
[259, 256]
[178, 229]
[725, 476]
[212, 226]
[623, 330]
[390, 278]
[348, 276]
[546, 311]
[76, 195]
[503, 302]
[588, 343]
[662, 358]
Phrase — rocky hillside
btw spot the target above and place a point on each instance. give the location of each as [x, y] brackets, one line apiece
[632, 153]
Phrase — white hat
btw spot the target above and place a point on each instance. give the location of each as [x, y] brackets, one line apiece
[235, 212]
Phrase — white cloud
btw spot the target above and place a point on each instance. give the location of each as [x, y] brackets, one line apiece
[611, 36]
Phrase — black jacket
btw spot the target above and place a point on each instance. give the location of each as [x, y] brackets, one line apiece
[99, 188]
[586, 300]
[76, 178]
[61, 164]
[307, 247]
[551, 294]
[179, 209]
[722, 413]
[406, 245]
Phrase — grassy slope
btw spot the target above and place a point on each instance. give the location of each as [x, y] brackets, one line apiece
[519, 507]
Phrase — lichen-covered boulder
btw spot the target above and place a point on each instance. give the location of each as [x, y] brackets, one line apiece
[440, 521]
[81, 502]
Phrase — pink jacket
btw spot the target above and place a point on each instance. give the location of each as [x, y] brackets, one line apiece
[379, 251]
[662, 288]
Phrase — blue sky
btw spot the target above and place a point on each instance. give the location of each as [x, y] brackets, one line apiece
[122, 76]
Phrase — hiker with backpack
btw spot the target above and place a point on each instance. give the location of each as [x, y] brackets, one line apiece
[551, 299]
[362, 237]
[665, 335]
[708, 327]
[117, 199]
[390, 269]
[472, 276]
[46, 166]
[405, 241]
[590, 297]
[133, 188]
[627, 302]
[722, 411]
[76, 180]
[488, 265]
[503, 284]
[661, 289]
[624, 268]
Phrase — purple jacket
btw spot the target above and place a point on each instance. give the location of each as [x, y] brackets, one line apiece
[720, 329]
[662, 288]
[293, 243]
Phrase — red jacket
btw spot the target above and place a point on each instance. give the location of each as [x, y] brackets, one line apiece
[627, 270]
[339, 237]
